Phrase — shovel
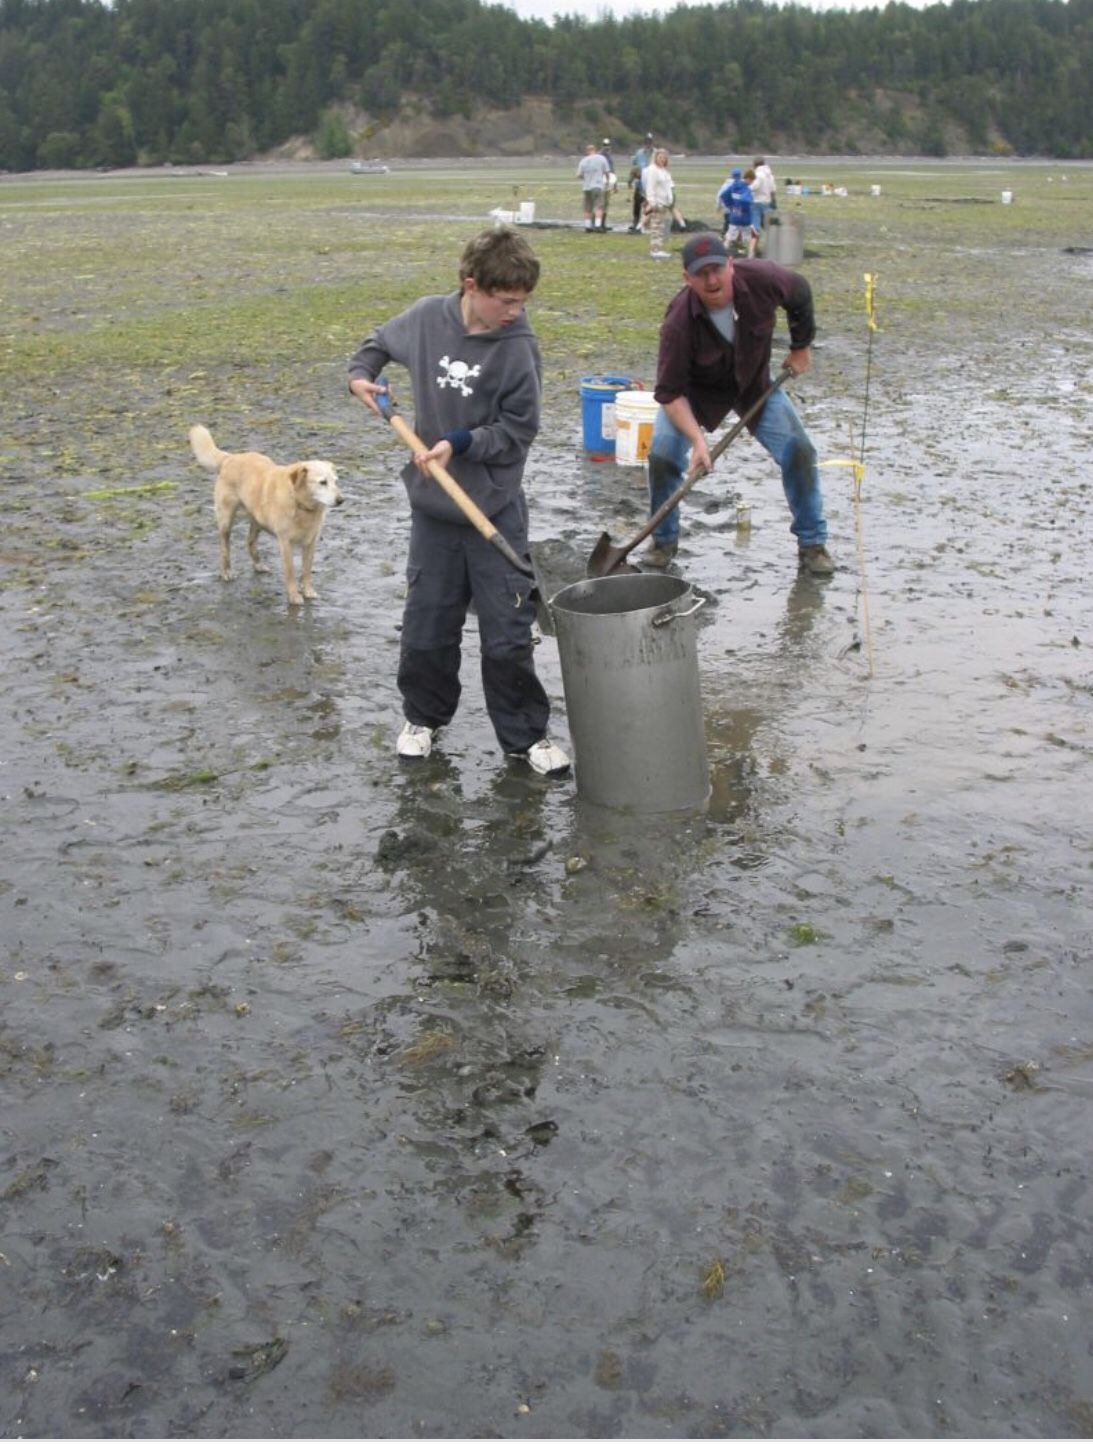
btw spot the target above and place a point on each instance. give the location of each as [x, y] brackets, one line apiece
[470, 510]
[606, 558]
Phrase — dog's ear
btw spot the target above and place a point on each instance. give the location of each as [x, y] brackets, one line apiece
[298, 474]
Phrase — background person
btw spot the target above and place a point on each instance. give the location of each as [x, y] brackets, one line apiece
[659, 189]
[753, 236]
[612, 183]
[762, 194]
[638, 162]
[734, 198]
[592, 173]
[714, 357]
[476, 378]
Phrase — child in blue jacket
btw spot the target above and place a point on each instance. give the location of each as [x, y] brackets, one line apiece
[735, 200]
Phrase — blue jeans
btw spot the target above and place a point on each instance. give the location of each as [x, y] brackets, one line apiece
[781, 433]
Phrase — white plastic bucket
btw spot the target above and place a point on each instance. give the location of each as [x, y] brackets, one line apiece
[874, 190]
[635, 413]
[1007, 197]
[526, 213]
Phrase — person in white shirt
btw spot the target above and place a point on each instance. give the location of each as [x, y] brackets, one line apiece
[592, 173]
[611, 183]
[762, 194]
[659, 188]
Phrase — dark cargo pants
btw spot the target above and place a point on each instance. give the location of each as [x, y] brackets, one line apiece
[449, 565]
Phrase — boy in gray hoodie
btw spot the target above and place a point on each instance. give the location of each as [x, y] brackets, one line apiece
[476, 378]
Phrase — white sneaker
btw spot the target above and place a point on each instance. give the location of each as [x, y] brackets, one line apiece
[660, 255]
[546, 758]
[414, 741]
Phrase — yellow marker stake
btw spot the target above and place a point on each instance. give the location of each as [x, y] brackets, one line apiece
[870, 308]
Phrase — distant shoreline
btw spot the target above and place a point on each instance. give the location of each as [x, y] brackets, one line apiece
[538, 162]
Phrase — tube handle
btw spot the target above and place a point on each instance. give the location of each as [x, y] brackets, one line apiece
[662, 619]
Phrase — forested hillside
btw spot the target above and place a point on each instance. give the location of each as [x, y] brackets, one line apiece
[192, 81]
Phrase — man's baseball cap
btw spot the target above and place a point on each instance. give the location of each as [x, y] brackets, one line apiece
[737, 173]
[704, 250]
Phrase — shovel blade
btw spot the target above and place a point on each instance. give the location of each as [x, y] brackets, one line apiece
[606, 558]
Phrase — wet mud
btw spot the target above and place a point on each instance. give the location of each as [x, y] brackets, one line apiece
[346, 1098]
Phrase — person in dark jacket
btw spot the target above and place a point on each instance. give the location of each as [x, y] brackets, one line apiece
[476, 378]
[638, 162]
[714, 357]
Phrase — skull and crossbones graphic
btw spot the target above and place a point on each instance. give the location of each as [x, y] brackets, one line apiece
[457, 373]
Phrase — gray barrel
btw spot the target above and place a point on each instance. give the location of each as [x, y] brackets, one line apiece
[630, 674]
[784, 238]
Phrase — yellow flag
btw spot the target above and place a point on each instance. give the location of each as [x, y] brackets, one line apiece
[870, 301]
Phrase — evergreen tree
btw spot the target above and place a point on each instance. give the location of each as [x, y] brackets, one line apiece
[84, 82]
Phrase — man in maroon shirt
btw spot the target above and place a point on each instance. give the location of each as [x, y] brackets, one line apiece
[715, 345]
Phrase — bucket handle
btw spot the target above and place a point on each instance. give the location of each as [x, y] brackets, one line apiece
[665, 616]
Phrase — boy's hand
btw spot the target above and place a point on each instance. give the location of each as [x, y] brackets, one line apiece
[366, 392]
[441, 453]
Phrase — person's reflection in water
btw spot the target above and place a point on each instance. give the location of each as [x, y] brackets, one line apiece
[462, 859]
[731, 731]
[462, 1034]
[803, 603]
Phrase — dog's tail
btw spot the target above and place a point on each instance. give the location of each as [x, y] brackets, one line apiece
[206, 450]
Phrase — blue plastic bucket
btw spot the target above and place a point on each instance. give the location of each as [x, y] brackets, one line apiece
[598, 413]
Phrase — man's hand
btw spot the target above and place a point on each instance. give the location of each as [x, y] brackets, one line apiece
[701, 461]
[799, 361]
[681, 416]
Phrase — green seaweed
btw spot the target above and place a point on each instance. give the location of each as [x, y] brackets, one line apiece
[100, 494]
[141, 304]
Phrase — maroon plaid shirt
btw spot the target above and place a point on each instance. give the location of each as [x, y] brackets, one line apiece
[695, 360]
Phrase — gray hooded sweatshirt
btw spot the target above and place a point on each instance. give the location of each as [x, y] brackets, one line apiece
[488, 385]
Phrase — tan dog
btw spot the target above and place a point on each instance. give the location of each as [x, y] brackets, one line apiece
[289, 502]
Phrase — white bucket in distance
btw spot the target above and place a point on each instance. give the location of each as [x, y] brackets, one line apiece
[874, 190]
[1007, 197]
[635, 413]
[526, 214]
[633, 704]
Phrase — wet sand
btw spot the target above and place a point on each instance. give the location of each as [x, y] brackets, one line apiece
[354, 1099]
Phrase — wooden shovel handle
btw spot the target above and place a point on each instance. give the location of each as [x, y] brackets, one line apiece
[470, 509]
[696, 471]
[473, 513]
[756, 407]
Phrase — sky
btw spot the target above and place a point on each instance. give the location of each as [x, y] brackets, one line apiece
[592, 9]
